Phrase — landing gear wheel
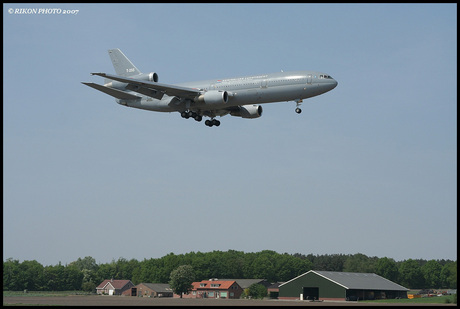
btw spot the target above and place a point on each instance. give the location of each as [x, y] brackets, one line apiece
[190, 114]
[187, 114]
[212, 122]
[298, 102]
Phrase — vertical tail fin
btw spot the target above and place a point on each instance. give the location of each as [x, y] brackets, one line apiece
[123, 66]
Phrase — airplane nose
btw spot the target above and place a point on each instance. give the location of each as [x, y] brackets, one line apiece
[334, 84]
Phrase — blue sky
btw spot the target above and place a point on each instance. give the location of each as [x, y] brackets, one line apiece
[370, 167]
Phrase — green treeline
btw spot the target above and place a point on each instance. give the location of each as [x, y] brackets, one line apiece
[85, 274]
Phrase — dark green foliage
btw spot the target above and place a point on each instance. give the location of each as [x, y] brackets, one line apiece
[84, 274]
[449, 275]
[257, 291]
[431, 272]
[410, 274]
[88, 286]
[387, 268]
[360, 263]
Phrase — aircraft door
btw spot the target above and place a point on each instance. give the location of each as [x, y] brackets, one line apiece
[309, 79]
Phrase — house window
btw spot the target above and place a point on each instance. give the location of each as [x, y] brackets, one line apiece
[215, 285]
[202, 285]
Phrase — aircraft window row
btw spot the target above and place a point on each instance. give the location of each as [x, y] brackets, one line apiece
[268, 81]
[325, 76]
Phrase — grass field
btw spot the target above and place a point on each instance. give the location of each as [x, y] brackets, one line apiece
[424, 300]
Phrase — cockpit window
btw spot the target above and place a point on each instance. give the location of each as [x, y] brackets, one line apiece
[325, 76]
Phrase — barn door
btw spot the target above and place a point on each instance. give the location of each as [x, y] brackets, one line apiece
[310, 293]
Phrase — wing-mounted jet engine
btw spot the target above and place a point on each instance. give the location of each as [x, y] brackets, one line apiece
[213, 97]
[248, 111]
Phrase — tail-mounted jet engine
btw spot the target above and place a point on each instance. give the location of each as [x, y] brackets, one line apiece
[151, 77]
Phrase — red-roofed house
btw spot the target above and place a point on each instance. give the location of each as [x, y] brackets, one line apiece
[214, 288]
[114, 287]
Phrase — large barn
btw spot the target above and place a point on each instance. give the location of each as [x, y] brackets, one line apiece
[329, 285]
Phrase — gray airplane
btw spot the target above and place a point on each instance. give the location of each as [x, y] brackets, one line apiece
[238, 96]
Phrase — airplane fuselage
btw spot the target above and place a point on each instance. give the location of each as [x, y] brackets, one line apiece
[255, 89]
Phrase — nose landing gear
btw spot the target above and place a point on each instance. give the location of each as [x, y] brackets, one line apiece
[298, 102]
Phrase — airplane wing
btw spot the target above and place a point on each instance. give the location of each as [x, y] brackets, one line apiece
[146, 86]
[113, 92]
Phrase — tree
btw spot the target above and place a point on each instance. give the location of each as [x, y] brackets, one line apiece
[263, 266]
[86, 263]
[449, 275]
[88, 286]
[411, 275]
[11, 276]
[181, 279]
[257, 290]
[73, 278]
[360, 263]
[288, 267]
[88, 267]
[333, 262]
[432, 273]
[125, 268]
[32, 272]
[106, 271]
[387, 268]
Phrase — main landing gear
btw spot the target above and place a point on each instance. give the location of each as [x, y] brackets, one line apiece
[188, 114]
[212, 122]
[197, 117]
[298, 102]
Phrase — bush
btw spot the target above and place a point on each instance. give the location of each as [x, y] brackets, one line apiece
[451, 299]
[257, 291]
[88, 286]
[245, 293]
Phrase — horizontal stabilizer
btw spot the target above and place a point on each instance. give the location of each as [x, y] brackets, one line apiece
[170, 90]
[113, 92]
